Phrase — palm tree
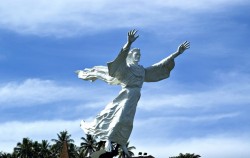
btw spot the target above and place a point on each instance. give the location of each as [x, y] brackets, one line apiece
[35, 149]
[14, 155]
[5, 155]
[45, 151]
[24, 149]
[88, 146]
[62, 137]
[122, 154]
[73, 151]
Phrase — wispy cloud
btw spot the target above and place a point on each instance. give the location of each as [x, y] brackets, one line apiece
[227, 89]
[13, 132]
[32, 92]
[231, 88]
[158, 145]
[72, 17]
[216, 146]
[35, 91]
[187, 119]
[168, 136]
[182, 127]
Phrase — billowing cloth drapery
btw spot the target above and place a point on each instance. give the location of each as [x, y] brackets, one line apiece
[97, 72]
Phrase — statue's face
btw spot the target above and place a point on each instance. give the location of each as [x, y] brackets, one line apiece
[136, 56]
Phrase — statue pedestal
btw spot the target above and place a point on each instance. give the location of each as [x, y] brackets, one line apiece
[97, 154]
[103, 154]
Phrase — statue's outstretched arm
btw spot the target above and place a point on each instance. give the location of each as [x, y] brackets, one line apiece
[162, 69]
[119, 63]
[130, 38]
[184, 46]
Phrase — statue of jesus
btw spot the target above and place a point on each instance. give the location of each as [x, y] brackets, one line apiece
[114, 124]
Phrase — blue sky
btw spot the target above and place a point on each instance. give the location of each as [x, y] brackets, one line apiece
[202, 108]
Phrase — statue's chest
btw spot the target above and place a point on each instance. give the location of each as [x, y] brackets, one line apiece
[135, 77]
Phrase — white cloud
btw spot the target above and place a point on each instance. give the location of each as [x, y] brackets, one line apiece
[171, 128]
[196, 4]
[151, 135]
[162, 121]
[72, 17]
[159, 145]
[217, 146]
[35, 91]
[231, 88]
[228, 89]
[13, 132]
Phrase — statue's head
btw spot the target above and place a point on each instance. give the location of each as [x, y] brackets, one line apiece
[134, 56]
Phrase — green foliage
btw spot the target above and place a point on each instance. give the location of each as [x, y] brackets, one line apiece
[28, 148]
[25, 148]
[61, 138]
[187, 155]
[88, 146]
[5, 155]
[130, 148]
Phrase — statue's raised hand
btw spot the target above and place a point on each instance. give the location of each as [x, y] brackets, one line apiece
[132, 36]
[183, 47]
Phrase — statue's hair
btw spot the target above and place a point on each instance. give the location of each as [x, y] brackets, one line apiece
[130, 54]
[133, 50]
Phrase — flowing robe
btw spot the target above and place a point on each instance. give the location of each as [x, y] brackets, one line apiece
[115, 122]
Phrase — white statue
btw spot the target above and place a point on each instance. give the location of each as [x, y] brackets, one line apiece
[115, 122]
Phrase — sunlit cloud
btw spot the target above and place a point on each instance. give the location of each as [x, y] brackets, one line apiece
[230, 89]
[35, 91]
[226, 90]
[74, 17]
[32, 92]
[13, 132]
[216, 146]
[152, 135]
[186, 119]
[158, 145]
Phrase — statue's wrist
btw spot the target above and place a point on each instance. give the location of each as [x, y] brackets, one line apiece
[179, 52]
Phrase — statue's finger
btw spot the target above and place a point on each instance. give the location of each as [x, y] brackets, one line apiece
[135, 31]
[129, 33]
[187, 44]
